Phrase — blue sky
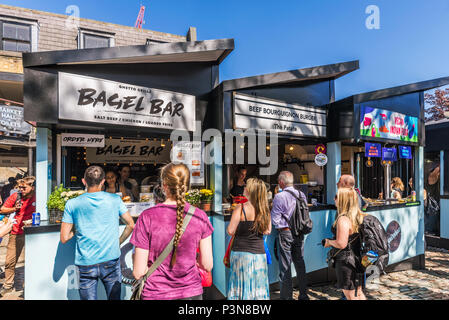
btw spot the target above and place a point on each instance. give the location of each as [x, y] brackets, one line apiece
[272, 36]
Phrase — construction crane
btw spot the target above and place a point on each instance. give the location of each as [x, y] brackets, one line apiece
[139, 20]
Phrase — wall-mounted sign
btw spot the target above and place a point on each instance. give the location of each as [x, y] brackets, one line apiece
[389, 154]
[321, 148]
[90, 99]
[405, 152]
[384, 124]
[21, 162]
[321, 159]
[191, 154]
[82, 140]
[285, 118]
[373, 150]
[11, 120]
[129, 151]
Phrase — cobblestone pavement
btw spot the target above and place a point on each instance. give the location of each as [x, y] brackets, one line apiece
[429, 284]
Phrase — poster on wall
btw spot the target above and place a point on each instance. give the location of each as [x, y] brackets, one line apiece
[372, 150]
[11, 120]
[83, 98]
[280, 116]
[190, 153]
[384, 124]
[129, 151]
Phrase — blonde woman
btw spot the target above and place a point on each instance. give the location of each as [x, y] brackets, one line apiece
[250, 221]
[178, 277]
[397, 188]
[347, 244]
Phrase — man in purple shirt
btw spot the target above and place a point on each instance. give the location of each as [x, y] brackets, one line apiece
[291, 248]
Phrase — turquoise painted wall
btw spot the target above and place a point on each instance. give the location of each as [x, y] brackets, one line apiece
[50, 273]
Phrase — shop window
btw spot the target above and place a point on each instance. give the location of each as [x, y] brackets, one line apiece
[15, 36]
[370, 176]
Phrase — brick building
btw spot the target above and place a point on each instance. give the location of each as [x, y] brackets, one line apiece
[26, 30]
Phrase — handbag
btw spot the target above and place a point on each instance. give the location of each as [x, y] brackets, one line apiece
[432, 206]
[138, 285]
[206, 277]
[227, 256]
[267, 252]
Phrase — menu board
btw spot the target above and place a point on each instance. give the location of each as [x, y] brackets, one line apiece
[405, 152]
[190, 153]
[389, 154]
[372, 150]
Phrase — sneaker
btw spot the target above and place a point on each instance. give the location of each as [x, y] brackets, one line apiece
[5, 291]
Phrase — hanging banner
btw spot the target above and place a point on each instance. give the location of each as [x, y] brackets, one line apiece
[389, 154]
[384, 124]
[11, 120]
[129, 151]
[280, 116]
[82, 140]
[190, 153]
[90, 99]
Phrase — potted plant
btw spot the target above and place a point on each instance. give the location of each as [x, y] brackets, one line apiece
[57, 200]
[206, 199]
[193, 197]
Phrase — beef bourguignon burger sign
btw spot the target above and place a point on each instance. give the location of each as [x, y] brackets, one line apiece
[90, 99]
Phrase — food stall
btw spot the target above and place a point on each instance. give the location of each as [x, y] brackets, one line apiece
[380, 136]
[110, 107]
[290, 104]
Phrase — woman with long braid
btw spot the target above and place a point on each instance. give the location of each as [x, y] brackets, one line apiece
[178, 276]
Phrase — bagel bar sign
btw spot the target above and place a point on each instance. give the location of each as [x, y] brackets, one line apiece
[90, 99]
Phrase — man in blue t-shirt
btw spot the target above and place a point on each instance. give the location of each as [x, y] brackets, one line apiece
[93, 218]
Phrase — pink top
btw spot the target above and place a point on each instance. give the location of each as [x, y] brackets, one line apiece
[154, 229]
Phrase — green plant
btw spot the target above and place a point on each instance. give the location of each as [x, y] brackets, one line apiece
[59, 197]
[193, 197]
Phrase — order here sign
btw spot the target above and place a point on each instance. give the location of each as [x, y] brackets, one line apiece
[82, 140]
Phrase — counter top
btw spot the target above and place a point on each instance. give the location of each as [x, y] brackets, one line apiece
[46, 227]
[392, 206]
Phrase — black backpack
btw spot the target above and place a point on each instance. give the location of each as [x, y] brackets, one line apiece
[300, 222]
[374, 238]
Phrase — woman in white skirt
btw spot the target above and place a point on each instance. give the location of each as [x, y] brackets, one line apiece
[249, 223]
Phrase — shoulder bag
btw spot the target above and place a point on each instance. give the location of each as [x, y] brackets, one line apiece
[139, 284]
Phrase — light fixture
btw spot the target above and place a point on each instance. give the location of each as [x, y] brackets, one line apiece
[121, 138]
[268, 147]
[242, 146]
[291, 148]
[162, 143]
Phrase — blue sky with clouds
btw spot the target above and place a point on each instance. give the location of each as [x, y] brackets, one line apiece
[272, 36]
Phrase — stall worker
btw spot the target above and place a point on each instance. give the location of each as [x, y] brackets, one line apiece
[239, 185]
[129, 183]
[111, 185]
[23, 204]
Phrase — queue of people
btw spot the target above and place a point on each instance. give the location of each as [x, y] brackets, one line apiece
[93, 220]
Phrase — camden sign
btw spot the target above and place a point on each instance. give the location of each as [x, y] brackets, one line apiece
[280, 116]
[83, 98]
